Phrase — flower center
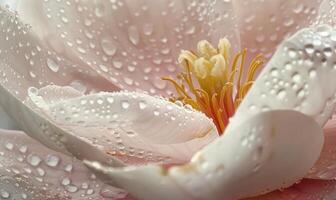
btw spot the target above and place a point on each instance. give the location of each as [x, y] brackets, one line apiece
[213, 84]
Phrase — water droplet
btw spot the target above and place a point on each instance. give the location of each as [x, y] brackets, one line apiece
[125, 104]
[68, 168]
[34, 160]
[282, 94]
[104, 68]
[53, 65]
[24, 196]
[159, 84]
[312, 73]
[148, 29]
[89, 191]
[109, 47]
[296, 77]
[117, 64]
[66, 181]
[72, 188]
[292, 53]
[156, 113]
[4, 194]
[40, 171]
[23, 149]
[9, 146]
[300, 93]
[133, 35]
[110, 99]
[327, 52]
[52, 160]
[131, 133]
[244, 141]
[113, 194]
[64, 19]
[274, 72]
[32, 91]
[309, 48]
[99, 10]
[142, 105]
[190, 30]
[78, 85]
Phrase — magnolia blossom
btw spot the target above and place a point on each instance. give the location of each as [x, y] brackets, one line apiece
[88, 82]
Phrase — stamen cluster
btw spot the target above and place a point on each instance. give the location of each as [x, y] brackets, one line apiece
[211, 83]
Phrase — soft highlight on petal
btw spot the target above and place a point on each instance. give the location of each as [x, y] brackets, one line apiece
[130, 126]
[247, 161]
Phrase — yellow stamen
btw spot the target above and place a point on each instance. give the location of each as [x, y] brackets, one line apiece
[216, 92]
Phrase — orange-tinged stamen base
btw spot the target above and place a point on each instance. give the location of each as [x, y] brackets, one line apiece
[211, 83]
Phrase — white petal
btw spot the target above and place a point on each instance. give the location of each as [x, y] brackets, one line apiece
[28, 170]
[37, 125]
[263, 154]
[300, 76]
[130, 126]
[145, 182]
[132, 43]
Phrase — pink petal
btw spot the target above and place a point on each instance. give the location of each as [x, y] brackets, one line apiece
[269, 22]
[131, 43]
[131, 126]
[306, 189]
[325, 168]
[31, 171]
[26, 63]
[25, 60]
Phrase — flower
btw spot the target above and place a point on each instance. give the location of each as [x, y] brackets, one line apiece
[64, 79]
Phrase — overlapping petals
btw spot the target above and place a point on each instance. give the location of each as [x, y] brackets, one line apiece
[29, 76]
[275, 89]
[131, 43]
[74, 50]
[31, 171]
[133, 127]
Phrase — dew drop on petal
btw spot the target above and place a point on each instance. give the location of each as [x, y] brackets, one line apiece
[109, 47]
[52, 160]
[34, 160]
[4, 194]
[133, 35]
[125, 104]
[52, 65]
